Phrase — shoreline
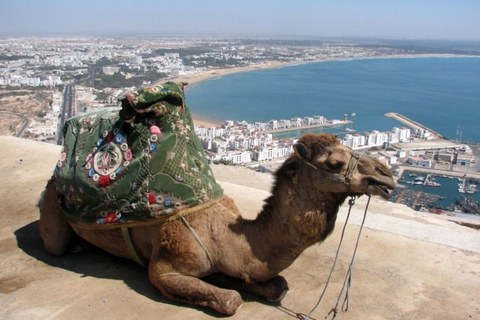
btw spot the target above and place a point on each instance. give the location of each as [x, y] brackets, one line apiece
[217, 73]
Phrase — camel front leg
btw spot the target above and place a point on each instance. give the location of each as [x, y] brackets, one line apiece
[191, 290]
[54, 229]
[272, 290]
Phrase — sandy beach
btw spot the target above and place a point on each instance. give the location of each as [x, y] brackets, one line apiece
[213, 73]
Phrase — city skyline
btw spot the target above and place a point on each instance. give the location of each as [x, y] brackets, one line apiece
[429, 19]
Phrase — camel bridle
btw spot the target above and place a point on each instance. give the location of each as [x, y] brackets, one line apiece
[352, 165]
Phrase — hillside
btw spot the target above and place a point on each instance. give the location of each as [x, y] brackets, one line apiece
[409, 265]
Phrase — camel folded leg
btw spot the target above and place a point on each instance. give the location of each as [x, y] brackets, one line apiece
[194, 291]
[54, 229]
[272, 290]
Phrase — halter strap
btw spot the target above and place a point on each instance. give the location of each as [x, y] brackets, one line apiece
[352, 165]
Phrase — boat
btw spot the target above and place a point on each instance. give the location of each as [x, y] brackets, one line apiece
[412, 174]
[432, 184]
[467, 187]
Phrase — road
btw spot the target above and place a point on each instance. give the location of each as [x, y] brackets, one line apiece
[25, 119]
[67, 110]
[68, 107]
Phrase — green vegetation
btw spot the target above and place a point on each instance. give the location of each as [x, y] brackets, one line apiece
[213, 62]
[183, 52]
[136, 78]
[118, 80]
[103, 62]
[223, 161]
[39, 113]
[48, 68]
[14, 57]
[14, 93]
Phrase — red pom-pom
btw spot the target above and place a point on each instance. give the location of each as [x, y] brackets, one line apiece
[151, 198]
[104, 181]
[110, 137]
[110, 218]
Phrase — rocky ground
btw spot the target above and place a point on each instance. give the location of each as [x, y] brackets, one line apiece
[409, 265]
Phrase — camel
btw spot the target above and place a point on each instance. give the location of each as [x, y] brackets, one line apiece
[206, 257]
[308, 190]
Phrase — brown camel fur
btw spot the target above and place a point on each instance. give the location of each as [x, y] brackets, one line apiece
[244, 254]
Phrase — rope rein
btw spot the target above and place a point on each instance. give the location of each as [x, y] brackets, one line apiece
[200, 242]
[348, 277]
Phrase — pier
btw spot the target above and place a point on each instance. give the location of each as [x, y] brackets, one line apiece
[410, 123]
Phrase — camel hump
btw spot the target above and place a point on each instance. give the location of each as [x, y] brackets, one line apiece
[114, 170]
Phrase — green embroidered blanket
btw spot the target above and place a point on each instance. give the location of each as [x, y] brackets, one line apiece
[138, 163]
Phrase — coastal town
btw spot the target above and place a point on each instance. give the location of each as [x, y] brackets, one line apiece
[51, 62]
[243, 159]
[244, 143]
[42, 78]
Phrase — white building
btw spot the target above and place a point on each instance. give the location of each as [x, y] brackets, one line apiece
[240, 157]
[263, 154]
[135, 60]
[47, 128]
[219, 146]
[422, 134]
[354, 141]
[419, 161]
[110, 70]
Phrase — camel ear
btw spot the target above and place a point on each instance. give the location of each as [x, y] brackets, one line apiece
[302, 151]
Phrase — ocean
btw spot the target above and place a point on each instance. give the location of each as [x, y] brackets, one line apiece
[442, 93]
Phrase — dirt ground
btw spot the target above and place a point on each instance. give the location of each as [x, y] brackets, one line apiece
[24, 102]
[409, 265]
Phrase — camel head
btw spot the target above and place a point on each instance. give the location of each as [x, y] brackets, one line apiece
[334, 168]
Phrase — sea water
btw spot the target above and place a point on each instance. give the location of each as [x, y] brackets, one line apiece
[440, 93]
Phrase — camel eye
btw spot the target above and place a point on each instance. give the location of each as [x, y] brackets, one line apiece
[335, 165]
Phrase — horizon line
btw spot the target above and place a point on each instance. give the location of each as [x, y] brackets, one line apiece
[230, 36]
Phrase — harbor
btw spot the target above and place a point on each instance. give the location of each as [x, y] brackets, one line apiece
[443, 188]
[438, 194]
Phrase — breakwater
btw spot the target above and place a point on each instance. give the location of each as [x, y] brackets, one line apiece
[410, 123]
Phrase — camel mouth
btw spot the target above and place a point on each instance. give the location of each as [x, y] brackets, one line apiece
[381, 189]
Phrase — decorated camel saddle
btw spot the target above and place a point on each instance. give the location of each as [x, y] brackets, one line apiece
[140, 163]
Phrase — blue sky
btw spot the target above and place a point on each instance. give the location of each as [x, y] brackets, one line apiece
[405, 19]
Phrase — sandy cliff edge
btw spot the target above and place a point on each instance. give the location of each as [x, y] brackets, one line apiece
[409, 265]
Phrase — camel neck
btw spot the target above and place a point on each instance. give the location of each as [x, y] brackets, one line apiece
[293, 218]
